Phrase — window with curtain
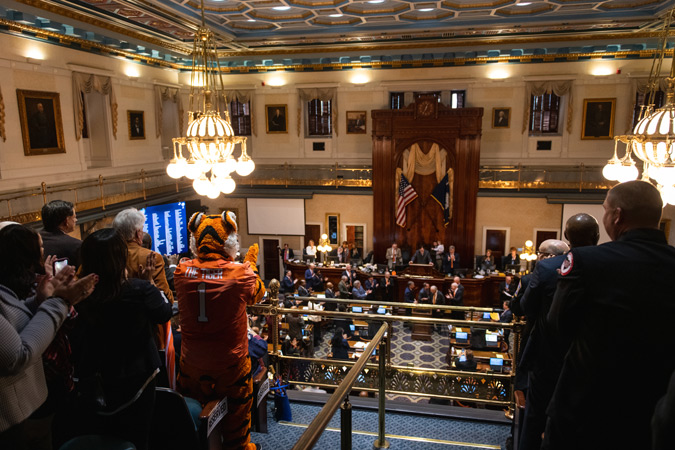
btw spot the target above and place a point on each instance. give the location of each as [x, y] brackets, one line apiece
[396, 100]
[640, 98]
[457, 98]
[241, 117]
[544, 114]
[319, 118]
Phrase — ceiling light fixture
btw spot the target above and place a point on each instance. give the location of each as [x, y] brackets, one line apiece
[282, 8]
[653, 138]
[426, 9]
[210, 140]
[524, 4]
[374, 2]
[336, 15]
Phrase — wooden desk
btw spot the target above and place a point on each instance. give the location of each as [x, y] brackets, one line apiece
[421, 331]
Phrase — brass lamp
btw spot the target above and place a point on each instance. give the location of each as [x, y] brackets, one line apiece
[324, 247]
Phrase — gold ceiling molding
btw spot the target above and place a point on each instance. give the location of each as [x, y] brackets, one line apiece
[519, 11]
[236, 8]
[608, 6]
[436, 16]
[85, 44]
[472, 5]
[439, 43]
[382, 8]
[126, 31]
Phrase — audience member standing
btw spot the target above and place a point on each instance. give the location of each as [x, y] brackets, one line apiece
[595, 311]
[539, 357]
[59, 219]
[450, 261]
[393, 256]
[28, 322]
[114, 341]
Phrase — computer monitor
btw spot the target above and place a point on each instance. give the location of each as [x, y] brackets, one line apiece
[310, 258]
[513, 268]
[496, 364]
[381, 268]
[491, 339]
[486, 316]
[357, 309]
[462, 337]
[352, 327]
[461, 272]
[462, 358]
[382, 310]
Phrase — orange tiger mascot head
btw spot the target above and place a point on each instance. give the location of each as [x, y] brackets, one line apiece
[215, 236]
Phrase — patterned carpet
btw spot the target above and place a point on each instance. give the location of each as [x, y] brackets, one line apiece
[404, 431]
[404, 351]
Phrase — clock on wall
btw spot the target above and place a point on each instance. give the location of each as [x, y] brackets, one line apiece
[426, 107]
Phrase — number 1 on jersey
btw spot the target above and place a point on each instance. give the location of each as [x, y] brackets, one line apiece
[201, 290]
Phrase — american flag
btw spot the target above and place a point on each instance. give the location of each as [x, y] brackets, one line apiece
[406, 194]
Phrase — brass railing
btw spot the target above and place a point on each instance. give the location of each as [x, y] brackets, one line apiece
[23, 205]
[487, 388]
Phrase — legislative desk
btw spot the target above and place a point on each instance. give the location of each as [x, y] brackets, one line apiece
[479, 292]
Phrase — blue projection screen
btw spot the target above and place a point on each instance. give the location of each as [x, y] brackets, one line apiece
[167, 225]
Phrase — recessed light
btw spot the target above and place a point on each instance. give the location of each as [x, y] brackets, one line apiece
[426, 9]
[251, 20]
[375, 1]
[336, 15]
[282, 8]
[524, 4]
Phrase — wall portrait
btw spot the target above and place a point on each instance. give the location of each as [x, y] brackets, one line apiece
[136, 122]
[41, 124]
[501, 117]
[598, 121]
[276, 117]
[356, 122]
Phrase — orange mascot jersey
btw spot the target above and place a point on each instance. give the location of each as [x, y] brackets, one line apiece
[212, 301]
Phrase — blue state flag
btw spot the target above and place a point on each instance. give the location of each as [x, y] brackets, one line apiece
[441, 194]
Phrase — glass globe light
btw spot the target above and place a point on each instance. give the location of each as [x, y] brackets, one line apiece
[176, 167]
[245, 166]
[193, 170]
[668, 195]
[213, 191]
[228, 185]
[201, 185]
[610, 171]
[627, 173]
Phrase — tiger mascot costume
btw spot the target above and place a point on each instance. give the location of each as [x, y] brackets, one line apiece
[213, 292]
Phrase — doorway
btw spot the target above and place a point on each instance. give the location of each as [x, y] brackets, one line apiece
[270, 259]
[496, 239]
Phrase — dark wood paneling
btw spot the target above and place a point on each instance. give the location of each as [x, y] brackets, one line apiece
[458, 132]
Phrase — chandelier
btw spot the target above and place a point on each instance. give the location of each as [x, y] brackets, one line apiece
[205, 154]
[653, 139]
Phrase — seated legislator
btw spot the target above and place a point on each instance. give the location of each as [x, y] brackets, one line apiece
[213, 291]
[487, 263]
[466, 361]
[421, 256]
[310, 250]
[450, 261]
[512, 259]
[507, 289]
[393, 256]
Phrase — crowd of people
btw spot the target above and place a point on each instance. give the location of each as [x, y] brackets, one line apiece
[86, 329]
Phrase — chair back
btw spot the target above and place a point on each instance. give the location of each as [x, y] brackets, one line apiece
[173, 425]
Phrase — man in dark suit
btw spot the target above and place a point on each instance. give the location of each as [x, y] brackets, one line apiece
[421, 256]
[423, 294]
[329, 293]
[286, 254]
[594, 311]
[507, 288]
[467, 363]
[455, 297]
[450, 261]
[538, 358]
[311, 277]
[59, 219]
[388, 287]
[287, 283]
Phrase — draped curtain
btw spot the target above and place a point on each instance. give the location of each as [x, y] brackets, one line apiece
[3, 135]
[323, 94]
[162, 94]
[641, 85]
[86, 83]
[416, 162]
[537, 88]
[242, 96]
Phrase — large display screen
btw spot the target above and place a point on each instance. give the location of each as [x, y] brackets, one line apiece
[167, 225]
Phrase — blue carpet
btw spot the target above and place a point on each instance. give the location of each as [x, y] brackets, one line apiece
[465, 434]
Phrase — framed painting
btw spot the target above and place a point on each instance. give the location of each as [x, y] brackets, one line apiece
[136, 122]
[356, 122]
[598, 120]
[276, 117]
[501, 117]
[41, 124]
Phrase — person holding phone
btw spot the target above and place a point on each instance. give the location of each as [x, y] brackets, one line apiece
[32, 308]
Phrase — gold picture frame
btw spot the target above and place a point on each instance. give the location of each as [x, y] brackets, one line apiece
[276, 118]
[598, 120]
[333, 228]
[356, 122]
[501, 117]
[41, 123]
[136, 123]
